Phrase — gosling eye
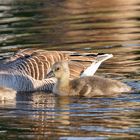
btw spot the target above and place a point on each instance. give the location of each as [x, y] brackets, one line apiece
[57, 69]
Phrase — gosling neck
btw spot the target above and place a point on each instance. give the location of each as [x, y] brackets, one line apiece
[64, 80]
[63, 85]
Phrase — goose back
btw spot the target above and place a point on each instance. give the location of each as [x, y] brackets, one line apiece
[37, 63]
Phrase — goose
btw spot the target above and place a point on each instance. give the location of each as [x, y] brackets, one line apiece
[25, 71]
[84, 86]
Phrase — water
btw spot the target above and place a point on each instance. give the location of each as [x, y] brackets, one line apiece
[89, 26]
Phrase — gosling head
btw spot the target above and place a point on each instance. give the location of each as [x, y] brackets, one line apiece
[59, 70]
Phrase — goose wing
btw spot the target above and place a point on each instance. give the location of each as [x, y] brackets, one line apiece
[37, 63]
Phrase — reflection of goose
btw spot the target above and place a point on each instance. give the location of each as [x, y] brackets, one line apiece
[85, 86]
[26, 70]
[7, 93]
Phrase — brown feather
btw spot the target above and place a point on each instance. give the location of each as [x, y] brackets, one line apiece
[39, 62]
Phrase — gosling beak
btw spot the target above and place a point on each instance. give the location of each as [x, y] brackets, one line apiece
[50, 75]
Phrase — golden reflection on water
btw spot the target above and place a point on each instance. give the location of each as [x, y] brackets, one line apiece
[100, 26]
[93, 24]
[51, 116]
[84, 120]
[71, 24]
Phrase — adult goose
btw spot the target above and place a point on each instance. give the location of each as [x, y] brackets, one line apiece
[85, 86]
[26, 70]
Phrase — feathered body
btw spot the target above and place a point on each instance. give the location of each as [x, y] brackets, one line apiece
[85, 86]
[27, 69]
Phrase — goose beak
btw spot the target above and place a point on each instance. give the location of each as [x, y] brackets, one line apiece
[50, 74]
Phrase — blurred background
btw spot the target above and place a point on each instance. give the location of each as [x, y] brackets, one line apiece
[104, 26]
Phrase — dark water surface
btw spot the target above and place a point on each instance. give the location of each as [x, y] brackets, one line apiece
[80, 25]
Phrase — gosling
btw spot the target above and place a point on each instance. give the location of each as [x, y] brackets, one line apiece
[84, 86]
[7, 94]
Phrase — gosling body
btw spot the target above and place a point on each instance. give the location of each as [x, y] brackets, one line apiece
[7, 94]
[85, 86]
